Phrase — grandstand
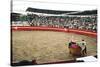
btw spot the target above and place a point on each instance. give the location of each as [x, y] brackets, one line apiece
[84, 20]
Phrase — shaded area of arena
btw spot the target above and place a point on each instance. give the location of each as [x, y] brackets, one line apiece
[47, 46]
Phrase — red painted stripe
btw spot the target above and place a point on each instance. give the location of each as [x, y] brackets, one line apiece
[20, 28]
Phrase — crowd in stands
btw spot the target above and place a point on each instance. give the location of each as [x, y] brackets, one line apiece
[83, 23]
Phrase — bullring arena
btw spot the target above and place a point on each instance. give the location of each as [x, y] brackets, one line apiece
[47, 45]
[42, 36]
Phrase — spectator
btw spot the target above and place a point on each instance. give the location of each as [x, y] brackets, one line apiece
[83, 23]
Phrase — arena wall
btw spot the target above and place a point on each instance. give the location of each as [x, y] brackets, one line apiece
[28, 28]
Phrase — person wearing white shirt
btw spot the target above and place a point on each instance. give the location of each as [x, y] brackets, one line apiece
[83, 46]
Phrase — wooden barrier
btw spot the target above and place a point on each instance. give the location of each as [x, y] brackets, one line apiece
[29, 28]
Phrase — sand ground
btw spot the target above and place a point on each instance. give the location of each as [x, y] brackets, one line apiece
[46, 46]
